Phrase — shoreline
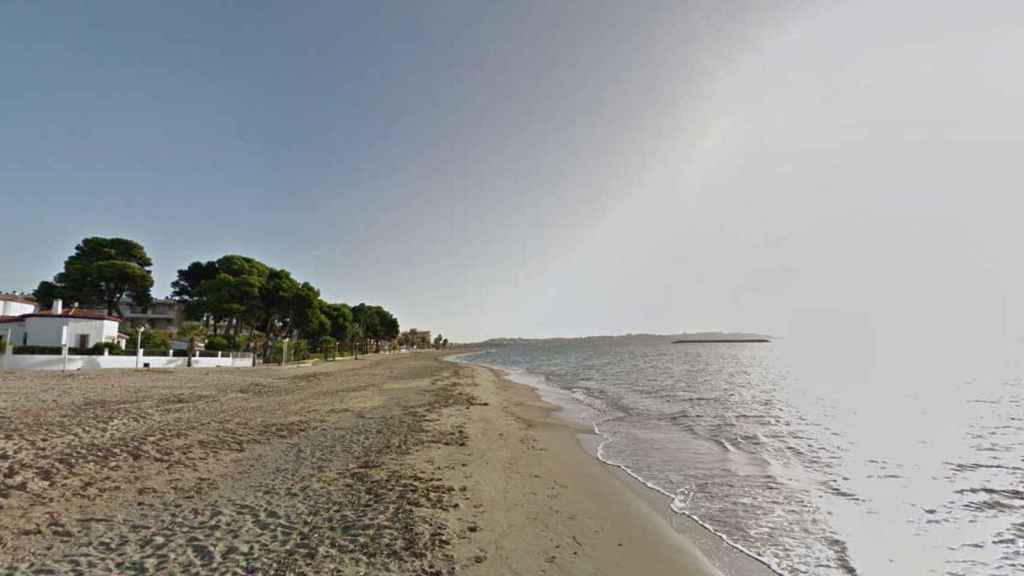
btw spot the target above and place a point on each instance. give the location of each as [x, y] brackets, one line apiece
[554, 507]
[399, 464]
[719, 555]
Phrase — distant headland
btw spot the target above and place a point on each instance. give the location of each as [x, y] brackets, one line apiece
[721, 338]
[684, 338]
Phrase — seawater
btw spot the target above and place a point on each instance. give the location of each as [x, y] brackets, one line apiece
[814, 459]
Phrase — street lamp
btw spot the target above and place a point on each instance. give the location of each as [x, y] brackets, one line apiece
[65, 337]
[138, 346]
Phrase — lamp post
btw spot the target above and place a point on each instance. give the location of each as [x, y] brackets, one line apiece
[138, 346]
[65, 336]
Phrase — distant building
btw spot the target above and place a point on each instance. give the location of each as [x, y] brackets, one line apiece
[161, 314]
[84, 328]
[16, 305]
[414, 338]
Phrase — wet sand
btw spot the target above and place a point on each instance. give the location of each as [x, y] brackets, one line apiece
[402, 464]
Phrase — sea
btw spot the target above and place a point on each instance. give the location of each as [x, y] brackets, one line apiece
[816, 457]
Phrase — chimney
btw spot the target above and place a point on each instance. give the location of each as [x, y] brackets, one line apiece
[58, 307]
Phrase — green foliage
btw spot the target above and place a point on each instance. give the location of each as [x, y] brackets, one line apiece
[298, 350]
[46, 293]
[328, 347]
[237, 291]
[339, 316]
[191, 332]
[112, 349]
[355, 334]
[233, 293]
[217, 343]
[225, 290]
[274, 351]
[185, 286]
[190, 278]
[307, 315]
[152, 340]
[47, 350]
[101, 272]
[376, 323]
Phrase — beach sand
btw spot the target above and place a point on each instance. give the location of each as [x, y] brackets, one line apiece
[403, 464]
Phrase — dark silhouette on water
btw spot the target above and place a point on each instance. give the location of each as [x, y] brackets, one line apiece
[723, 341]
[721, 338]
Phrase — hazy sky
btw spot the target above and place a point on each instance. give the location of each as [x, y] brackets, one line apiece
[537, 169]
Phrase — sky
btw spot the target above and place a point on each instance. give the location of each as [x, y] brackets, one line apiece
[537, 168]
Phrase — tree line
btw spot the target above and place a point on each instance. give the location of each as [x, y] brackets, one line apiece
[236, 302]
[237, 295]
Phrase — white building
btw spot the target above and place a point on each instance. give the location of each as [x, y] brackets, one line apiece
[84, 329]
[160, 314]
[15, 305]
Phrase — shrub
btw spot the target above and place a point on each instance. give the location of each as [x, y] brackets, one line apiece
[217, 343]
[297, 350]
[111, 347]
[48, 350]
[275, 353]
[154, 340]
[328, 347]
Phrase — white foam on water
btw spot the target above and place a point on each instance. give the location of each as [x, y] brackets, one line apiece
[914, 471]
[567, 406]
[678, 504]
[575, 406]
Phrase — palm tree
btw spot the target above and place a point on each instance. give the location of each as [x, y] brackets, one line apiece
[193, 332]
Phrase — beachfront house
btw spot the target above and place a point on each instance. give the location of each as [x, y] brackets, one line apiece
[84, 328]
[160, 314]
[16, 305]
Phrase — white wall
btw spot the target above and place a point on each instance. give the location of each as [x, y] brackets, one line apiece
[45, 330]
[13, 308]
[16, 328]
[56, 362]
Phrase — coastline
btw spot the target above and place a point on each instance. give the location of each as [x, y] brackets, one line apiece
[548, 505]
[708, 552]
[393, 464]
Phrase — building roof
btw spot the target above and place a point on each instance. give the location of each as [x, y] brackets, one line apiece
[24, 299]
[75, 314]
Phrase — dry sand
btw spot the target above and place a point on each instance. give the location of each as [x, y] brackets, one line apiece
[399, 464]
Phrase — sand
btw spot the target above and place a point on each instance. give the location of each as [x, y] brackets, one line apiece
[402, 464]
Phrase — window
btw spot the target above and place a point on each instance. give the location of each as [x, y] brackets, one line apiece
[83, 341]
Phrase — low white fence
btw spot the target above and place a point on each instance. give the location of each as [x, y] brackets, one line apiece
[56, 362]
